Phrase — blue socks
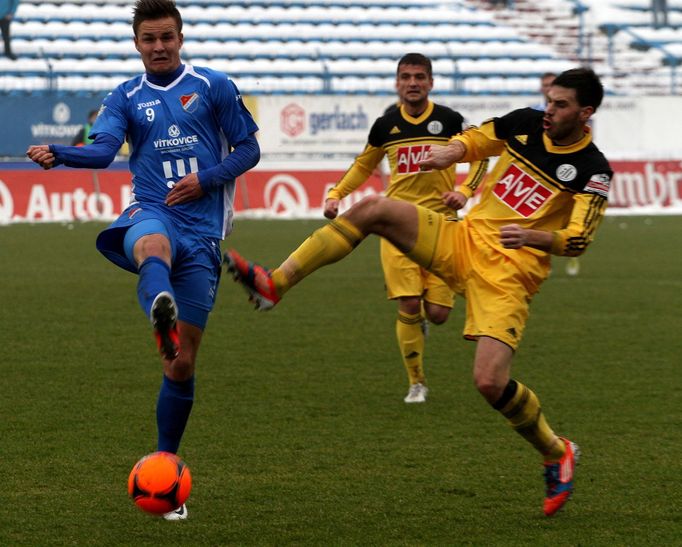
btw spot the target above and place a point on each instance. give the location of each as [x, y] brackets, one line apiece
[154, 277]
[172, 412]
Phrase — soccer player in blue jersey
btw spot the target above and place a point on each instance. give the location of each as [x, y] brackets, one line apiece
[190, 137]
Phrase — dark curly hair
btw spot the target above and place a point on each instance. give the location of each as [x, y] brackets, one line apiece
[589, 90]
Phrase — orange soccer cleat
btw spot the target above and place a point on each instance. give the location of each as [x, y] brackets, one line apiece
[559, 478]
[255, 279]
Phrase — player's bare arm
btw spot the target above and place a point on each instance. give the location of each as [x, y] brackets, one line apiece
[41, 155]
[513, 236]
[440, 157]
[455, 200]
[186, 189]
[331, 208]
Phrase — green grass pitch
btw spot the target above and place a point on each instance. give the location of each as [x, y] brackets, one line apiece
[299, 435]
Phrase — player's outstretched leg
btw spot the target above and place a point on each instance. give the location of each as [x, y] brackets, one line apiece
[255, 279]
[559, 478]
[164, 317]
[324, 246]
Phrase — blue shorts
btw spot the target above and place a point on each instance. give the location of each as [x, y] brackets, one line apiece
[195, 264]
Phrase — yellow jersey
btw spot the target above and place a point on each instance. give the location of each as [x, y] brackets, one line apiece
[404, 140]
[537, 184]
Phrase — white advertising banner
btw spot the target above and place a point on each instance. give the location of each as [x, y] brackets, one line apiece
[638, 128]
[300, 127]
[309, 142]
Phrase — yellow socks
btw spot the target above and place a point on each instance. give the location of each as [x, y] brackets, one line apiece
[325, 246]
[411, 343]
[522, 409]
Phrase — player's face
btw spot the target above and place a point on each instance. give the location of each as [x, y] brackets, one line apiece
[564, 120]
[413, 85]
[159, 44]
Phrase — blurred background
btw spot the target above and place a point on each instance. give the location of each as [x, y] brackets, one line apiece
[316, 73]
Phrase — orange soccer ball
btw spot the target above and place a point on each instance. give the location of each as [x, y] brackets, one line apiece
[159, 483]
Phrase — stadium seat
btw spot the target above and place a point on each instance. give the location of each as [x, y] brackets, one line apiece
[317, 45]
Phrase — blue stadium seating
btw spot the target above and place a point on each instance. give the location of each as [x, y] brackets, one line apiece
[294, 46]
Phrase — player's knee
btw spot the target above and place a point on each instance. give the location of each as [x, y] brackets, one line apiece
[437, 316]
[488, 387]
[369, 206]
[180, 369]
[367, 213]
[409, 305]
[152, 245]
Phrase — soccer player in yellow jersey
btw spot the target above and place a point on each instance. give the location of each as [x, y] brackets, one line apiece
[404, 134]
[547, 195]
[572, 262]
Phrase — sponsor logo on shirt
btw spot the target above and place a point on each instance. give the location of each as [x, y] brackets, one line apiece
[189, 102]
[176, 140]
[599, 184]
[521, 192]
[407, 158]
[140, 106]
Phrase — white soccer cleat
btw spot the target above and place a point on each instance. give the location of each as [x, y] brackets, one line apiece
[164, 318]
[573, 266]
[179, 514]
[417, 394]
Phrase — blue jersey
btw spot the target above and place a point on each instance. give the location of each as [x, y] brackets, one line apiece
[173, 130]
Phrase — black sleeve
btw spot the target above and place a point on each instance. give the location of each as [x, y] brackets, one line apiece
[458, 123]
[523, 120]
[375, 138]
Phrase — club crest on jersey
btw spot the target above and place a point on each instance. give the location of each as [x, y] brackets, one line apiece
[435, 127]
[408, 158]
[189, 102]
[566, 172]
[599, 184]
[521, 192]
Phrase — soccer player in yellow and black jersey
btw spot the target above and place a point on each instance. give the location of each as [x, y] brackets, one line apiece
[404, 134]
[547, 195]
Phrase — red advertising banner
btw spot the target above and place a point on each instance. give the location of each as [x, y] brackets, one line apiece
[34, 195]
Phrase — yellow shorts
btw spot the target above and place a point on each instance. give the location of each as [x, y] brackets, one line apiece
[403, 277]
[495, 288]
